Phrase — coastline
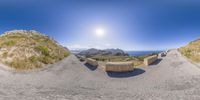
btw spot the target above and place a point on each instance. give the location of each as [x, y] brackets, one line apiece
[143, 53]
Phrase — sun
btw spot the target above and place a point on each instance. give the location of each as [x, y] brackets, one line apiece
[100, 32]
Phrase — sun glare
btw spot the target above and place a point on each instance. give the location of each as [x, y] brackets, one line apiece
[100, 32]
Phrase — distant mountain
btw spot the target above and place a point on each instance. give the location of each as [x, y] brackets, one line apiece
[192, 50]
[28, 49]
[76, 51]
[112, 52]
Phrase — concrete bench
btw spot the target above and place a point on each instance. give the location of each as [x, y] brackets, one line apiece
[149, 60]
[92, 62]
[119, 66]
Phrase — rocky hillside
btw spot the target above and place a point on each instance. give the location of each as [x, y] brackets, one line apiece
[95, 52]
[21, 49]
[192, 50]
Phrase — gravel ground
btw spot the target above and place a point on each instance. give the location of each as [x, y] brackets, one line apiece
[173, 78]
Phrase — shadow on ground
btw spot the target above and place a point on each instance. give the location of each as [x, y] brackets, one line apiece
[157, 61]
[92, 68]
[135, 72]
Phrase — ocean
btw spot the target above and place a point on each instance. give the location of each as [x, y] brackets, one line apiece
[141, 53]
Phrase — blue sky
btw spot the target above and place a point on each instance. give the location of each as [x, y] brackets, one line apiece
[128, 24]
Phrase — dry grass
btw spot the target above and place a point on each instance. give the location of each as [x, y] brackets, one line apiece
[191, 51]
[30, 50]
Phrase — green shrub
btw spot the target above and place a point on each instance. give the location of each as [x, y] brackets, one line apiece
[19, 64]
[9, 43]
[46, 60]
[27, 63]
[33, 59]
[44, 50]
[141, 58]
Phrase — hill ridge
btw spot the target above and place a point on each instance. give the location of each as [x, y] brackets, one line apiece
[28, 49]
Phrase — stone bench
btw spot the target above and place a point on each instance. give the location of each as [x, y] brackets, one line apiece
[119, 66]
[149, 60]
[92, 62]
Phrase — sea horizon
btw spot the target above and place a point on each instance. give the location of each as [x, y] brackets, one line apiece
[143, 52]
[129, 52]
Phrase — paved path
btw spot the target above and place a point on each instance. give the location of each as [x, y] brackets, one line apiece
[173, 78]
